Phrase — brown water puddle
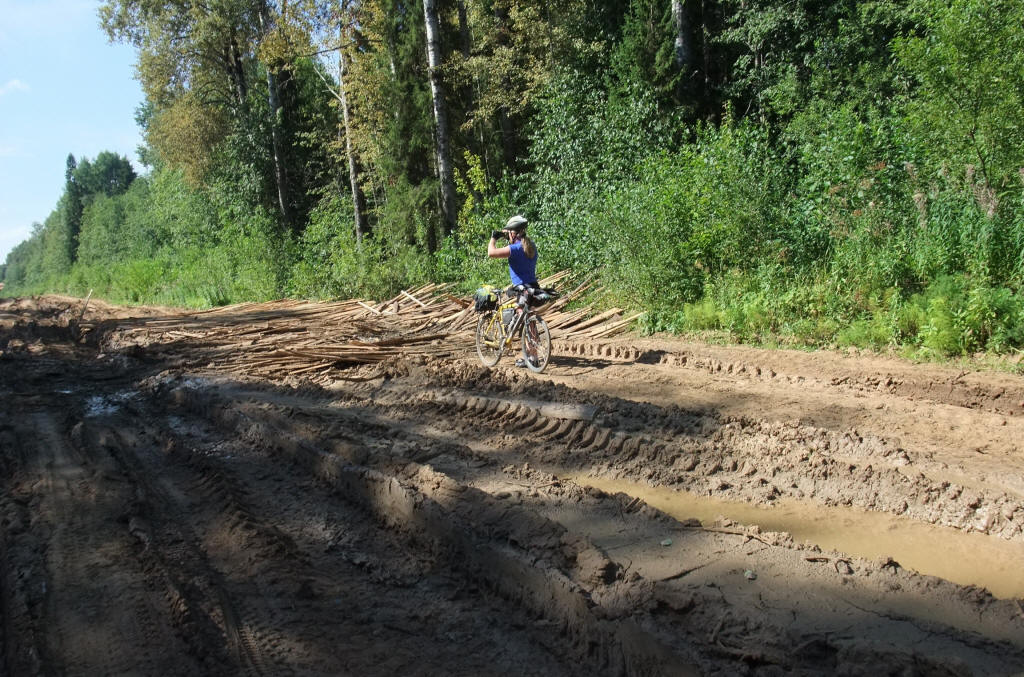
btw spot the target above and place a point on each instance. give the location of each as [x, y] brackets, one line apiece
[960, 557]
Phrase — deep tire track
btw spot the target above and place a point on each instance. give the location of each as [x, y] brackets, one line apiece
[226, 489]
[403, 522]
[300, 426]
[65, 623]
[727, 456]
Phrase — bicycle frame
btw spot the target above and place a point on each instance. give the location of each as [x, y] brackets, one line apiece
[508, 333]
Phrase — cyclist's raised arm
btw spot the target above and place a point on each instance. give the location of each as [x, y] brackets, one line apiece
[496, 252]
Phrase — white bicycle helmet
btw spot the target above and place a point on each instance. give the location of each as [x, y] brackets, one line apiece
[516, 224]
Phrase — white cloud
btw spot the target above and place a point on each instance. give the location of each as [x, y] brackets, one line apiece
[13, 86]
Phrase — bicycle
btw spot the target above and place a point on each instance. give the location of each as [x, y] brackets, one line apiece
[499, 326]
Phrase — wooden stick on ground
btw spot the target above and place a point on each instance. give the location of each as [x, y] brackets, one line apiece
[410, 296]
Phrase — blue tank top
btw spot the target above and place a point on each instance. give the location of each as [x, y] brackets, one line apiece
[521, 268]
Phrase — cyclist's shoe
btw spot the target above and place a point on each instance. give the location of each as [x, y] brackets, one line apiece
[520, 362]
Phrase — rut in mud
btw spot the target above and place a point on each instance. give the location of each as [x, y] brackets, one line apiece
[418, 516]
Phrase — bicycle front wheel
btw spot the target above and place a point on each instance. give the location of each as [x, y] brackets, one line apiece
[490, 339]
[536, 344]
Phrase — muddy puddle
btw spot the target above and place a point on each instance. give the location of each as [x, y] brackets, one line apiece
[99, 405]
[960, 557]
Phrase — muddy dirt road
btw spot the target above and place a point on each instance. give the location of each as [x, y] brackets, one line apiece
[644, 507]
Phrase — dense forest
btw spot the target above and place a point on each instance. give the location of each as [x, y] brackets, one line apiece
[816, 173]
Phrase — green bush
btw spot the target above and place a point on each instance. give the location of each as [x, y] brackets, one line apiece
[462, 258]
[331, 264]
[690, 217]
[585, 147]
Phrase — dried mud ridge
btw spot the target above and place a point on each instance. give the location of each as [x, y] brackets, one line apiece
[1003, 396]
[412, 517]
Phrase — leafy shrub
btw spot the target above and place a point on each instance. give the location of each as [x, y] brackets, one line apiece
[585, 147]
[690, 217]
[331, 264]
[462, 257]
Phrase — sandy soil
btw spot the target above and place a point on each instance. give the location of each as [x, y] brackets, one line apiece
[426, 516]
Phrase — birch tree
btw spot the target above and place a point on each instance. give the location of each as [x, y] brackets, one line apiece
[444, 163]
[685, 50]
[267, 26]
[354, 166]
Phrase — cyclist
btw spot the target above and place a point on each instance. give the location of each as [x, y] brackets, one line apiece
[520, 252]
[522, 259]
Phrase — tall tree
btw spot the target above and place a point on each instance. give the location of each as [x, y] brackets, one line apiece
[444, 161]
[651, 52]
[72, 206]
[391, 120]
[512, 50]
[272, 67]
[110, 174]
[199, 64]
[334, 29]
[354, 167]
[968, 60]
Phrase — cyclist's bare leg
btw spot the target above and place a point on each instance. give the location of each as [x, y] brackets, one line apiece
[531, 344]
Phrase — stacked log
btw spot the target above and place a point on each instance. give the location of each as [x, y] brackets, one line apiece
[302, 338]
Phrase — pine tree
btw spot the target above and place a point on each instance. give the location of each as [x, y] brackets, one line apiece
[72, 207]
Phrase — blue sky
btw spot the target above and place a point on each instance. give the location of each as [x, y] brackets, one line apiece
[63, 89]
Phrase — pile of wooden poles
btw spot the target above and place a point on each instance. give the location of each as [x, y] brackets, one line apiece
[301, 338]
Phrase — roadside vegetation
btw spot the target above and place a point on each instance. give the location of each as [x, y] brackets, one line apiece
[812, 174]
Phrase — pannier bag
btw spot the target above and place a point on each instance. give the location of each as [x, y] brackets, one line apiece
[485, 298]
[542, 296]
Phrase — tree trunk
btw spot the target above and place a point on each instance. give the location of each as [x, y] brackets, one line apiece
[354, 169]
[464, 29]
[444, 165]
[508, 140]
[280, 175]
[237, 74]
[276, 113]
[684, 50]
[72, 208]
[709, 79]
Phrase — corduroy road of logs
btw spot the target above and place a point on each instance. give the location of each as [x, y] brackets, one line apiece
[285, 338]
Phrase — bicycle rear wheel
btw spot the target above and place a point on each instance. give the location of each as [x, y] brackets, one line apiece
[490, 340]
[536, 343]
